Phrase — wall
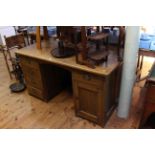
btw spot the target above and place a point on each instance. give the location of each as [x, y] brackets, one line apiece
[6, 31]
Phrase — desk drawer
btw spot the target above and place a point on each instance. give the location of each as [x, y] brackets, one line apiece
[31, 81]
[32, 77]
[88, 78]
[29, 62]
[35, 92]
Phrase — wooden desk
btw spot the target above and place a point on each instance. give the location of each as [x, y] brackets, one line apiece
[95, 91]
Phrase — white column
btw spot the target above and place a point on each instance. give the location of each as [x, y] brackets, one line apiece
[129, 69]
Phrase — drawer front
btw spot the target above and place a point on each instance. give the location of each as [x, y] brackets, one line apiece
[29, 62]
[88, 78]
[32, 77]
[35, 92]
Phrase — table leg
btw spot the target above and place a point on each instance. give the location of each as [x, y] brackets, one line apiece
[107, 44]
[141, 65]
[27, 37]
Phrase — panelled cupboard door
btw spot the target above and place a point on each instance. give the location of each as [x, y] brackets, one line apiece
[89, 101]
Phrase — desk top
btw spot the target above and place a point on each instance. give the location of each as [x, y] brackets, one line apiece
[45, 55]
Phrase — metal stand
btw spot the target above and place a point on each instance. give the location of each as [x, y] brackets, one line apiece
[18, 86]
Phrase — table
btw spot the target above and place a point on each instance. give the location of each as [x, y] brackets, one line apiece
[141, 54]
[95, 91]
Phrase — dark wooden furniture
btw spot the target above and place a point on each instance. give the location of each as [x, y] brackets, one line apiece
[149, 100]
[100, 36]
[39, 35]
[101, 53]
[88, 55]
[24, 30]
[42, 78]
[95, 97]
[95, 91]
[16, 41]
[121, 38]
[68, 37]
[32, 36]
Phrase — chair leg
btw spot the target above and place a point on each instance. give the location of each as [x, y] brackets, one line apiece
[7, 65]
[141, 65]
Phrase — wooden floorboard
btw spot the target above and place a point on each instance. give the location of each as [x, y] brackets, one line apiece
[22, 111]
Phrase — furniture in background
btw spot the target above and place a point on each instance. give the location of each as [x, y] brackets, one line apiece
[24, 30]
[149, 101]
[16, 41]
[101, 53]
[147, 41]
[3, 50]
[51, 31]
[141, 54]
[116, 37]
[146, 48]
[68, 38]
[75, 40]
[12, 42]
[95, 91]
[29, 32]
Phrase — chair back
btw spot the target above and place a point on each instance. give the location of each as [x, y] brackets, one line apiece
[15, 41]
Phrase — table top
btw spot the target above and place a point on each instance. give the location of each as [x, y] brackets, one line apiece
[44, 54]
[147, 52]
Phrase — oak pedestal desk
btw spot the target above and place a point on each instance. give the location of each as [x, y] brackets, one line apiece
[95, 91]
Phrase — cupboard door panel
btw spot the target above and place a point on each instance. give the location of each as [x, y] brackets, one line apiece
[89, 101]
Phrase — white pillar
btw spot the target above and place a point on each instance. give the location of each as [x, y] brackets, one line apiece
[129, 70]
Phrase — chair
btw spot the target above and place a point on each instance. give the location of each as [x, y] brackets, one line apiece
[12, 42]
[24, 30]
[16, 41]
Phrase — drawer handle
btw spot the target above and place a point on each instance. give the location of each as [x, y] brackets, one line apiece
[87, 77]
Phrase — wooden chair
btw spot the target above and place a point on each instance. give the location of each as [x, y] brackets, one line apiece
[24, 30]
[12, 42]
